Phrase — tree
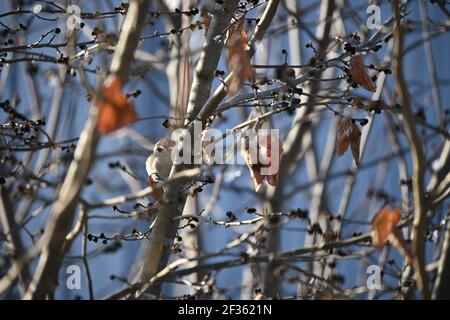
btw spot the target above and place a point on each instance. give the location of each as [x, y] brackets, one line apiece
[314, 148]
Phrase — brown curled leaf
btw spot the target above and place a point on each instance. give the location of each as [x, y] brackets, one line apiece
[360, 74]
[264, 164]
[348, 134]
[238, 58]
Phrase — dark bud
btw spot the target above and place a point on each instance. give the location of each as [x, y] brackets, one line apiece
[298, 213]
[290, 110]
[250, 210]
[231, 216]
[209, 179]
[420, 114]
[274, 219]
[363, 122]
[355, 36]
[315, 228]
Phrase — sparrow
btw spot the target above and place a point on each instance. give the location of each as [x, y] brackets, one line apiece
[159, 165]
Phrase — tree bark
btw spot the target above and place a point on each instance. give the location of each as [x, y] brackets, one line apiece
[62, 216]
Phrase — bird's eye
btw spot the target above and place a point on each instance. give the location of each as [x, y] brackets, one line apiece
[159, 149]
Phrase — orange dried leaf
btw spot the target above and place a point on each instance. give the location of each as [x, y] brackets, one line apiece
[348, 134]
[115, 111]
[385, 230]
[383, 225]
[238, 58]
[360, 74]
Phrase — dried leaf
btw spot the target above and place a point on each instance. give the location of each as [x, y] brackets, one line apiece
[114, 109]
[355, 141]
[238, 58]
[157, 193]
[264, 159]
[385, 230]
[348, 134]
[360, 74]
[383, 225]
[342, 138]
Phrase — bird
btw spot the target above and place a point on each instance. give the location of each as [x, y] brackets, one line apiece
[158, 166]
